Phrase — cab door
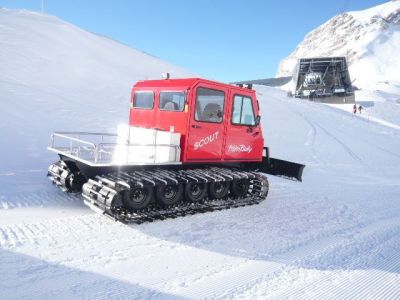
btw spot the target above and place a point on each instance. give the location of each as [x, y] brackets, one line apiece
[244, 141]
[206, 126]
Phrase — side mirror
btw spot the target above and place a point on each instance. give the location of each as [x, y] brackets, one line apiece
[257, 121]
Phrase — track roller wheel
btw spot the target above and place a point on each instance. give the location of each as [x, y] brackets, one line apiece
[169, 194]
[240, 187]
[265, 186]
[75, 181]
[138, 198]
[195, 191]
[218, 190]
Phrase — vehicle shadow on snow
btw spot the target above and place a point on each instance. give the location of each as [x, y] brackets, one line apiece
[302, 231]
[26, 277]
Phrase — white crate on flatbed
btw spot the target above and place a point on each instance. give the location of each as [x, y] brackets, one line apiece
[146, 146]
[142, 136]
[171, 152]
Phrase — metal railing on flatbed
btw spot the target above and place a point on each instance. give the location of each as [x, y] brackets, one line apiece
[107, 149]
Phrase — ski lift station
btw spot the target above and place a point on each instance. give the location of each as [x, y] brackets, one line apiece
[323, 79]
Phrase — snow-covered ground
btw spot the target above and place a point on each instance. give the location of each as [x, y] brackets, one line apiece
[381, 101]
[380, 105]
[335, 235]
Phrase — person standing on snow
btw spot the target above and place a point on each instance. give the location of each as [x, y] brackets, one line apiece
[360, 109]
[354, 109]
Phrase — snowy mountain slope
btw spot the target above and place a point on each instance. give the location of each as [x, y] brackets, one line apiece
[57, 77]
[335, 235]
[370, 39]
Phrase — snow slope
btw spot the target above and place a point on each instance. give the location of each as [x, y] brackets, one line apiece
[335, 235]
[57, 77]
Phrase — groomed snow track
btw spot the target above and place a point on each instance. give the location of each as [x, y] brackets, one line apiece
[108, 194]
[180, 210]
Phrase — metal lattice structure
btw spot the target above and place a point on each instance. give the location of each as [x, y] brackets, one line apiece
[324, 79]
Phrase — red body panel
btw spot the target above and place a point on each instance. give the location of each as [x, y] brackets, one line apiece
[202, 141]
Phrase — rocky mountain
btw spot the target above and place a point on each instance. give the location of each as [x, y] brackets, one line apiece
[370, 39]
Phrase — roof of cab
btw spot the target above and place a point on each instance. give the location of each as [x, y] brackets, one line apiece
[183, 83]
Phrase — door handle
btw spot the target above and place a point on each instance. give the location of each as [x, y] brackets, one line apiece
[196, 126]
[256, 133]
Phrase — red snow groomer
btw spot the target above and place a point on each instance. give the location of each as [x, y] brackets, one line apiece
[192, 145]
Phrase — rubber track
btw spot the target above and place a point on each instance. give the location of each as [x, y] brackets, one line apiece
[109, 184]
[58, 173]
[180, 210]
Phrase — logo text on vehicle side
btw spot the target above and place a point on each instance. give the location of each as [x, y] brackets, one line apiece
[204, 141]
[240, 148]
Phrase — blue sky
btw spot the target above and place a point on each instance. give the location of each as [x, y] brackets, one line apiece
[221, 40]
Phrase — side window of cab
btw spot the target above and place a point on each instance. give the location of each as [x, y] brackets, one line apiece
[209, 105]
[143, 100]
[172, 101]
[243, 112]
